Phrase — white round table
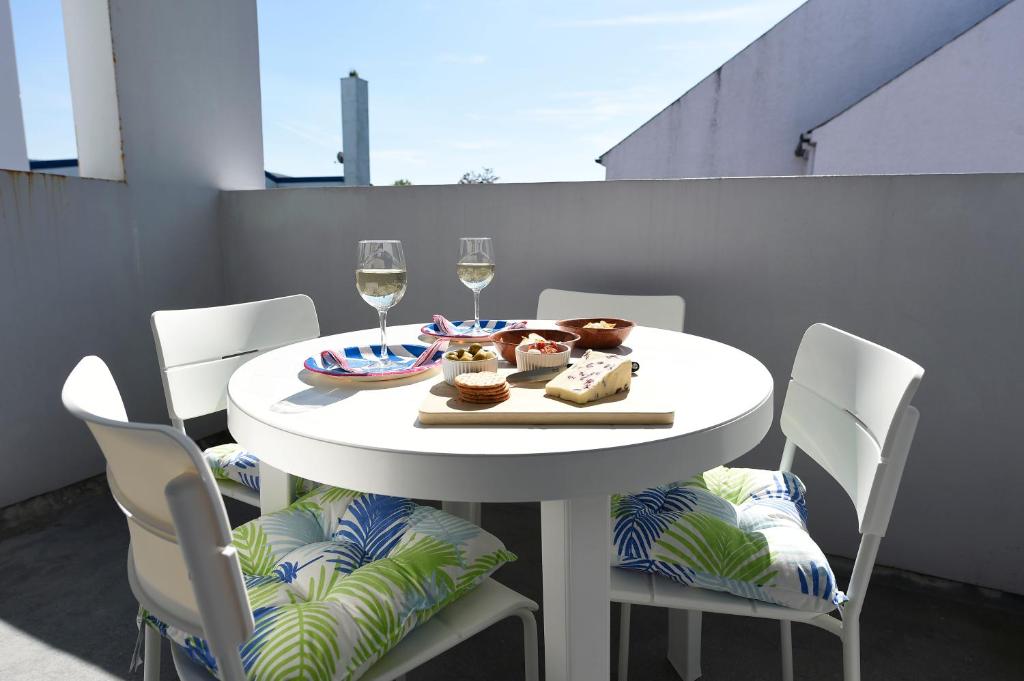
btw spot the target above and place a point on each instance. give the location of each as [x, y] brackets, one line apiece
[367, 437]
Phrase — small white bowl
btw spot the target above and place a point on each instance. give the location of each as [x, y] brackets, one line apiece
[456, 367]
[526, 361]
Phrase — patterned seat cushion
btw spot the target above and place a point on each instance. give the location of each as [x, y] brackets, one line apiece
[235, 463]
[339, 578]
[737, 530]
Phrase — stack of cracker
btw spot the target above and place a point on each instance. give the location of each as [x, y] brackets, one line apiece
[485, 387]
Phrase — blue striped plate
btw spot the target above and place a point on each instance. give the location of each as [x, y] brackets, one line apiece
[464, 329]
[361, 362]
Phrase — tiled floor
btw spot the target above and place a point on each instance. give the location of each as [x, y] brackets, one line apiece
[66, 613]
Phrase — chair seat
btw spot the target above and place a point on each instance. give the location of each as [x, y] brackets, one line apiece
[234, 463]
[736, 530]
[339, 578]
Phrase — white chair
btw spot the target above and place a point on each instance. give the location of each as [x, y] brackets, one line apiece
[199, 349]
[660, 312]
[182, 567]
[848, 408]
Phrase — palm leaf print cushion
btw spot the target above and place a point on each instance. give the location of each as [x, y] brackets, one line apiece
[233, 462]
[339, 578]
[738, 530]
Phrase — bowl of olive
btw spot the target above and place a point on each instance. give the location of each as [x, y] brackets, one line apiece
[467, 360]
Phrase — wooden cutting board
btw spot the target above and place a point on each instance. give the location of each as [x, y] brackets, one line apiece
[643, 404]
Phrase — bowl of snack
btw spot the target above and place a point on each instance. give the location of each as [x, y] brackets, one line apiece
[506, 342]
[598, 333]
[468, 360]
[541, 355]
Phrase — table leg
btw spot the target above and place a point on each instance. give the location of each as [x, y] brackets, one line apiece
[276, 489]
[684, 643]
[576, 536]
[467, 510]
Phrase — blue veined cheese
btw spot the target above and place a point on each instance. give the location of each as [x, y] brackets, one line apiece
[594, 376]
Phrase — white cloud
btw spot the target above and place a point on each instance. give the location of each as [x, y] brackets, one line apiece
[594, 106]
[466, 59]
[474, 145]
[322, 138]
[665, 18]
[405, 156]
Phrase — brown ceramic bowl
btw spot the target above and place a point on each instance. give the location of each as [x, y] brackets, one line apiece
[505, 342]
[598, 339]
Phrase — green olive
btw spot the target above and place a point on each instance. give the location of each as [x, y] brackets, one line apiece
[451, 355]
[475, 348]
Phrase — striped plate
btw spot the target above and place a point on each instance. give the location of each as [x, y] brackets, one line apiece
[362, 363]
[464, 329]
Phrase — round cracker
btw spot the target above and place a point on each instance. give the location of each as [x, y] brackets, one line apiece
[496, 400]
[483, 395]
[480, 379]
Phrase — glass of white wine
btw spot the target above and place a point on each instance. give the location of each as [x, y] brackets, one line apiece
[476, 269]
[381, 281]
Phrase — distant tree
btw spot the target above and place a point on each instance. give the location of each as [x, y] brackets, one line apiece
[482, 176]
[353, 73]
[403, 183]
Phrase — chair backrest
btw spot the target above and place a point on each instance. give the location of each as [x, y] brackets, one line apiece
[848, 408]
[660, 312]
[181, 564]
[199, 349]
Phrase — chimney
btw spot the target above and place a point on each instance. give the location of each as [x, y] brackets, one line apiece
[355, 130]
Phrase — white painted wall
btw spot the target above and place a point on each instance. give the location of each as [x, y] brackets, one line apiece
[959, 111]
[13, 154]
[746, 118]
[929, 266]
[84, 262]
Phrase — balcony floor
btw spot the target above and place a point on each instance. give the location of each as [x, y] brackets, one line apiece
[66, 613]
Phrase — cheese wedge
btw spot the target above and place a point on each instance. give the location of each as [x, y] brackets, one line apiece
[594, 376]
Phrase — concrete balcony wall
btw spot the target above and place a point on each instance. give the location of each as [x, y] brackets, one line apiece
[929, 266]
[83, 262]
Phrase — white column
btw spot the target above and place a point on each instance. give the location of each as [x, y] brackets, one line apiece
[355, 131]
[576, 536]
[13, 155]
[93, 89]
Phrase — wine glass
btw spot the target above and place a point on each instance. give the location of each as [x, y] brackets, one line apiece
[476, 269]
[381, 281]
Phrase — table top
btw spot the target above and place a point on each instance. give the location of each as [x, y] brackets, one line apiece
[366, 436]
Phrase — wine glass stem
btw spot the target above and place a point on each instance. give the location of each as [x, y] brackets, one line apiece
[476, 309]
[383, 314]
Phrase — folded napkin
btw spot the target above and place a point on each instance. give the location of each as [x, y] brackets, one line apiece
[337, 361]
[444, 326]
[449, 328]
[440, 345]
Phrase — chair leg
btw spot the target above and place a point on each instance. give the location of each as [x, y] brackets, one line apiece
[532, 663]
[151, 660]
[684, 643]
[787, 649]
[851, 650]
[624, 612]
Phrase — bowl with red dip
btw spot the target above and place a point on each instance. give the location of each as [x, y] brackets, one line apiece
[541, 355]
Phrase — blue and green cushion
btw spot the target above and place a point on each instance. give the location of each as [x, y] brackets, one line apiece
[234, 463]
[738, 530]
[339, 578]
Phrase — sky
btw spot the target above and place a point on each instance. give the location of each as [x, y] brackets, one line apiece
[535, 90]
